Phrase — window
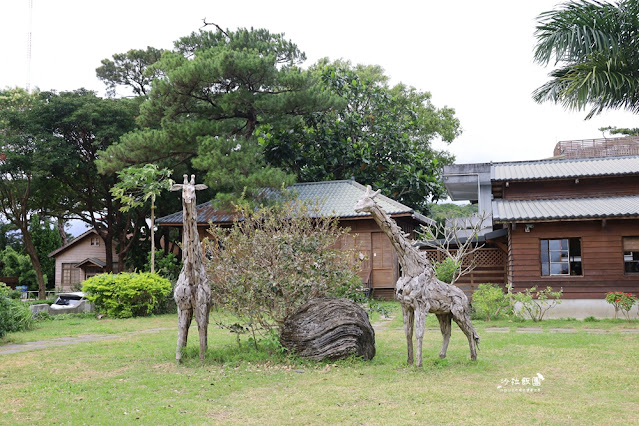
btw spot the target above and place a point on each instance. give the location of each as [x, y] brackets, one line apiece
[561, 257]
[95, 241]
[70, 275]
[631, 255]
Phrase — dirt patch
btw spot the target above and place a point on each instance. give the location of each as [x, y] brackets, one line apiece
[65, 341]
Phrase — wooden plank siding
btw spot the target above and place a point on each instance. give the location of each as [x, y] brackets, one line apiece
[567, 188]
[601, 256]
[380, 262]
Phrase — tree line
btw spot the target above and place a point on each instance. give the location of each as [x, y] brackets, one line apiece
[237, 108]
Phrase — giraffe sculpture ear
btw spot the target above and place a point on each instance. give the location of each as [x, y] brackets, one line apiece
[370, 193]
[200, 186]
[176, 187]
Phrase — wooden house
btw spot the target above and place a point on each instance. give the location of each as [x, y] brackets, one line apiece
[568, 223]
[81, 258]
[380, 268]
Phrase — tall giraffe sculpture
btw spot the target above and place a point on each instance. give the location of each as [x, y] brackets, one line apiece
[192, 292]
[418, 289]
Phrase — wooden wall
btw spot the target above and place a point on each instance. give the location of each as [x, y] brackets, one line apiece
[601, 253]
[568, 188]
[381, 264]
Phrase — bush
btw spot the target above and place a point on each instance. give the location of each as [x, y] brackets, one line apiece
[535, 302]
[127, 294]
[622, 302]
[276, 259]
[489, 301]
[14, 315]
[446, 269]
[167, 265]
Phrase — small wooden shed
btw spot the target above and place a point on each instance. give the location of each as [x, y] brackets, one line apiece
[81, 258]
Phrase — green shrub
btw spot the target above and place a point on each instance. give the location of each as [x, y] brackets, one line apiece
[535, 302]
[489, 302]
[276, 259]
[167, 265]
[127, 294]
[622, 302]
[14, 315]
[446, 269]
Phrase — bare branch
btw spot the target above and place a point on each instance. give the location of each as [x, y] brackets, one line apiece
[206, 24]
[444, 236]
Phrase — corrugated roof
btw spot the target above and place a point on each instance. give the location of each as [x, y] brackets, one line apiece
[334, 198]
[570, 208]
[552, 169]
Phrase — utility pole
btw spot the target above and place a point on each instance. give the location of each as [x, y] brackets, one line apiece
[29, 46]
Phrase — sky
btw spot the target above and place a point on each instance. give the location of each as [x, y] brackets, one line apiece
[473, 56]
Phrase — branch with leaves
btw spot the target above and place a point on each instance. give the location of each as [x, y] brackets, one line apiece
[138, 185]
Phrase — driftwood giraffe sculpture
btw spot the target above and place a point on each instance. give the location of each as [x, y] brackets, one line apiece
[192, 292]
[418, 290]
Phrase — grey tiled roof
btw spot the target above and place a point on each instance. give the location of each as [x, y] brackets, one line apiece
[549, 169]
[338, 198]
[334, 198]
[205, 214]
[576, 208]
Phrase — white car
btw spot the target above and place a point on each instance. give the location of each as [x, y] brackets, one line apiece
[68, 301]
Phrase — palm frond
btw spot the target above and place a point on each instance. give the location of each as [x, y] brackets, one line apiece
[600, 82]
[577, 29]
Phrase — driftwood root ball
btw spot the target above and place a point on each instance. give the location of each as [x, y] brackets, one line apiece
[329, 329]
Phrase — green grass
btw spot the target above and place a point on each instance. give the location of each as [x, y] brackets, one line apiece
[589, 378]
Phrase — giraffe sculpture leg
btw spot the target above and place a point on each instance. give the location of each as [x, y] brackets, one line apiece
[445, 326]
[202, 316]
[409, 317]
[185, 315]
[466, 326]
[420, 326]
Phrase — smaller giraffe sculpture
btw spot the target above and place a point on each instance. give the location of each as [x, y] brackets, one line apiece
[192, 292]
[418, 290]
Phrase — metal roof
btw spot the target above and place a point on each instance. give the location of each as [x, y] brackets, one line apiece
[565, 209]
[333, 198]
[552, 169]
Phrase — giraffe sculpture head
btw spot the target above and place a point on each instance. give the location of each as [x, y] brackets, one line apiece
[188, 189]
[367, 202]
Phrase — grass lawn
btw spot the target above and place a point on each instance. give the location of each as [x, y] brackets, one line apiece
[588, 378]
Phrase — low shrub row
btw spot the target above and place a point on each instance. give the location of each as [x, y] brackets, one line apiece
[490, 302]
[127, 294]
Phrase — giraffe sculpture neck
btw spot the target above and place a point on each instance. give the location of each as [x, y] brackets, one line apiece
[413, 262]
[190, 240]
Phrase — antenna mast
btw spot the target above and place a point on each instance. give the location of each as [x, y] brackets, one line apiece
[29, 46]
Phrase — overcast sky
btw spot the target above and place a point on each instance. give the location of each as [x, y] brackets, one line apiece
[473, 56]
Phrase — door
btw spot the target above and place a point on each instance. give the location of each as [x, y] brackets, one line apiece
[383, 260]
